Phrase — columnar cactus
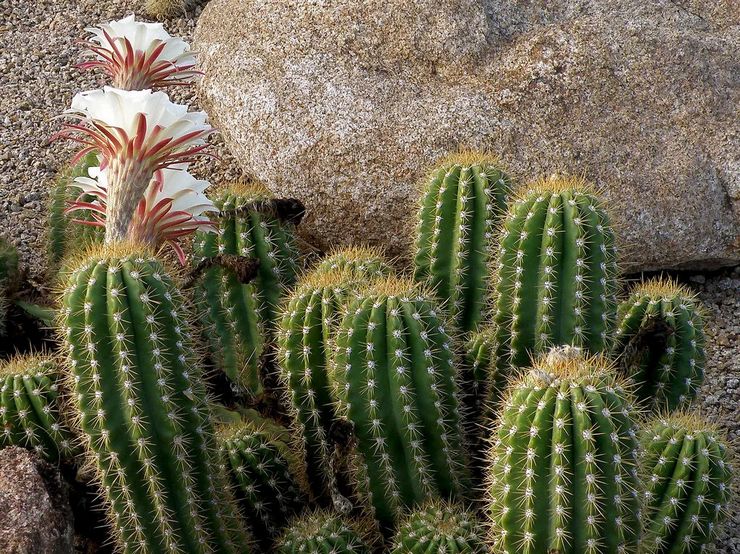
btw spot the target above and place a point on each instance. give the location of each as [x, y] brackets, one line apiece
[556, 274]
[458, 216]
[660, 343]
[440, 528]
[304, 353]
[481, 381]
[142, 405]
[687, 473]
[394, 377]
[363, 262]
[265, 471]
[240, 317]
[562, 473]
[323, 533]
[30, 408]
[61, 236]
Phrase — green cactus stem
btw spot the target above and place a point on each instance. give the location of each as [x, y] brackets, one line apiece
[459, 213]
[323, 533]
[394, 377]
[30, 408]
[562, 470]
[440, 528]
[142, 405]
[8, 278]
[240, 318]
[556, 274]
[687, 474]
[660, 343]
[63, 236]
[266, 473]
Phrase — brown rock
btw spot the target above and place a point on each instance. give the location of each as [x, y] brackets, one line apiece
[35, 516]
[345, 104]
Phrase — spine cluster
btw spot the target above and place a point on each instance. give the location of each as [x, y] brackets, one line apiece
[322, 533]
[440, 527]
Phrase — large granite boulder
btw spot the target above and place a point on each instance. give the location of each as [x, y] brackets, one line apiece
[345, 105]
[35, 515]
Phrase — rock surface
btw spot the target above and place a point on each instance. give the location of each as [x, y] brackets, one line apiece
[35, 516]
[345, 104]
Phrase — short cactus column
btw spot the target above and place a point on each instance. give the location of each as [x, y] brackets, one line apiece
[265, 470]
[323, 533]
[30, 408]
[142, 406]
[440, 528]
[394, 376]
[562, 470]
[240, 318]
[688, 476]
[660, 343]
[456, 230]
[363, 262]
[556, 274]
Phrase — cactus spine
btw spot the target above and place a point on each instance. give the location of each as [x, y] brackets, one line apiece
[556, 275]
[322, 533]
[265, 472]
[458, 216]
[395, 381]
[440, 528]
[30, 408]
[241, 317]
[562, 474]
[142, 405]
[308, 324]
[660, 343]
[687, 477]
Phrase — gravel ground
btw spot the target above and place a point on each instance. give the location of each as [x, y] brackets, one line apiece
[38, 80]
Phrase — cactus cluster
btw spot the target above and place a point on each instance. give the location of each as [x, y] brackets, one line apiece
[241, 317]
[563, 465]
[31, 408]
[394, 376]
[264, 468]
[660, 343]
[441, 528]
[142, 405]
[456, 229]
[687, 476]
[323, 533]
[556, 273]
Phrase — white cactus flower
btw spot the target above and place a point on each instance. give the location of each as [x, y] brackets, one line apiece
[138, 55]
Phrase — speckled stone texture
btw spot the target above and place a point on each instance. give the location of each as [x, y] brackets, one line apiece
[345, 105]
[35, 517]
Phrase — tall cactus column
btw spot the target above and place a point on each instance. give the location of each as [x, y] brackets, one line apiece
[142, 405]
[458, 217]
[241, 317]
[556, 274]
[395, 379]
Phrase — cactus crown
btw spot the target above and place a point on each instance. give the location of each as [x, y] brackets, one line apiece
[687, 473]
[364, 261]
[323, 532]
[440, 527]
